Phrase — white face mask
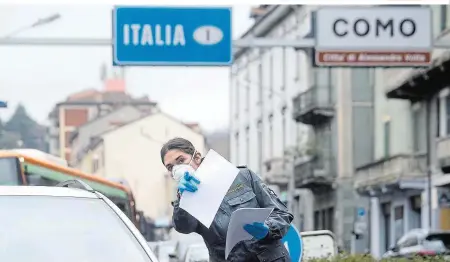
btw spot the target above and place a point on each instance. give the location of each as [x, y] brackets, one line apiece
[178, 171]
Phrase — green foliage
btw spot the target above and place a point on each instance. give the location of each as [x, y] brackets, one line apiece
[22, 131]
[367, 258]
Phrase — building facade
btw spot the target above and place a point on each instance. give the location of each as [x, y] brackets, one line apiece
[408, 134]
[131, 153]
[263, 82]
[80, 138]
[80, 108]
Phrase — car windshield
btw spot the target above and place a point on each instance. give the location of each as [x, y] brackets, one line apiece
[439, 240]
[47, 229]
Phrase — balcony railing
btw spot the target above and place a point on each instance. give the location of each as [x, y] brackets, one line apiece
[390, 171]
[443, 151]
[314, 173]
[275, 172]
[313, 106]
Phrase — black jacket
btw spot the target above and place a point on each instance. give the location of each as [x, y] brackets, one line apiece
[247, 191]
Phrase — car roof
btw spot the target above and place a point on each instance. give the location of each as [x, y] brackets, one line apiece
[45, 191]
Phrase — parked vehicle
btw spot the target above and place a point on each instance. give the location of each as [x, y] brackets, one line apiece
[421, 242]
[197, 253]
[45, 224]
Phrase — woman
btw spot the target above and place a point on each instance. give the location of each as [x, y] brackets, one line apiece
[247, 191]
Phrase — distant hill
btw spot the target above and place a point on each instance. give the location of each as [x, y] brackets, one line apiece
[219, 141]
[22, 131]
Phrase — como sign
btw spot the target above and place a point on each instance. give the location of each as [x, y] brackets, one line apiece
[374, 36]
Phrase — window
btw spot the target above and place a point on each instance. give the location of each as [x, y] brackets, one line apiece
[238, 101]
[10, 171]
[283, 81]
[95, 165]
[387, 139]
[317, 220]
[386, 209]
[444, 15]
[330, 218]
[272, 78]
[236, 140]
[417, 127]
[68, 229]
[247, 144]
[260, 145]
[399, 222]
[447, 113]
[247, 89]
[297, 66]
[284, 128]
[270, 135]
[260, 84]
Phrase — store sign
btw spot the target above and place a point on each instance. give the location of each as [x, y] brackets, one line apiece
[374, 36]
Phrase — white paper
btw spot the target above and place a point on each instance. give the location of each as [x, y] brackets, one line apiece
[236, 232]
[216, 175]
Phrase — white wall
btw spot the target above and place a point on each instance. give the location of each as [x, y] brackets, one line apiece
[296, 80]
[135, 157]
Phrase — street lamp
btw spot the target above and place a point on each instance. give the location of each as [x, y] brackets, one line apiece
[40, 22]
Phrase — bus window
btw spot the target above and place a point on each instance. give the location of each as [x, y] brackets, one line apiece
[38, 180]
[10, 171]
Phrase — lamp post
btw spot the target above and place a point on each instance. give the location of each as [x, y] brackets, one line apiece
[40, 22]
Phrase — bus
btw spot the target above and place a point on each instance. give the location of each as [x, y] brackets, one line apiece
[36, 168]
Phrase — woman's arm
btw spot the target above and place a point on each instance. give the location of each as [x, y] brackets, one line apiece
[280, 219]
[183, 222]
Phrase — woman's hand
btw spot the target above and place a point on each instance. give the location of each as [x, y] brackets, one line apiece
[257, 230]
[188, 183]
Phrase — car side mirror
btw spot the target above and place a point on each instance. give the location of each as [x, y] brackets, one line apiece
[394, 248]
[173, 258]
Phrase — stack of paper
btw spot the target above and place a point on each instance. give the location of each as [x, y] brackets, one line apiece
[216, 175]
[239, 218]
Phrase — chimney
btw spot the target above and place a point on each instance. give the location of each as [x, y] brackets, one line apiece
[115, 85]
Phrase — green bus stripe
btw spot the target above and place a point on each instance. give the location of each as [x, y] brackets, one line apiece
[60, 177]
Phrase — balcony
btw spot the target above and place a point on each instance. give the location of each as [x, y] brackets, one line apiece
[390, 173]
[418, 84]
[275, 172]
[314, 174]
[313, 106]
[443, 152]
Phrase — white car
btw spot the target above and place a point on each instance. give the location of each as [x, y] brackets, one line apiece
[53, 224]
[197, 253]
[422, 242]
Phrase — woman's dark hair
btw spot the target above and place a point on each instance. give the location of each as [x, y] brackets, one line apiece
[179, 143]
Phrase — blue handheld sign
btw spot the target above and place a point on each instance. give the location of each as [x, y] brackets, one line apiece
[293, 243]
[173, 36]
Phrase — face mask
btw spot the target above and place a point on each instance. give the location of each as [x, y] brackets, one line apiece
[178, 171]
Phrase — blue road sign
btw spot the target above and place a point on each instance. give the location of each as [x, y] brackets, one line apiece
[3, 104]
[293, 242]
[361, 211]
[171, 36]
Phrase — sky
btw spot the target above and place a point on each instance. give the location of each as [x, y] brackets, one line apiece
[39, 77]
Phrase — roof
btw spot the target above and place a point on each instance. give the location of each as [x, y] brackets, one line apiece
[45, 191]
[95, 141]
[263, 25]
[75, 133]
[94, 97]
